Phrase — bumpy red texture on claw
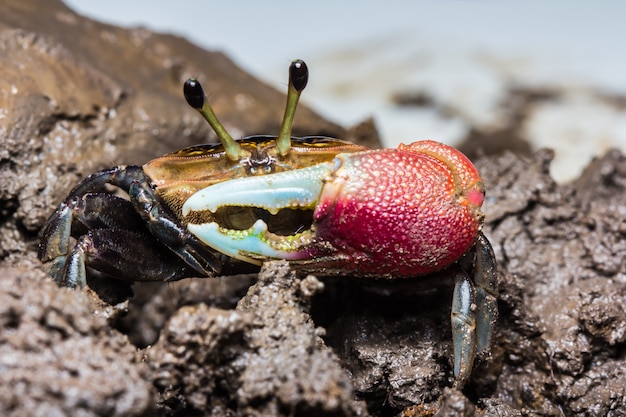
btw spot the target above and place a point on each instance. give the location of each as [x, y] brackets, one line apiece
[402, 212]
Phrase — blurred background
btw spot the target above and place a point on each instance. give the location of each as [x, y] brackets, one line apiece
[550, 74]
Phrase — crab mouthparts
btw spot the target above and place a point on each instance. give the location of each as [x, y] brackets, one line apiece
[259, 218]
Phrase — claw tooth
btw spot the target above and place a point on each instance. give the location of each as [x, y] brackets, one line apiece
[238, 244]
[296, 188]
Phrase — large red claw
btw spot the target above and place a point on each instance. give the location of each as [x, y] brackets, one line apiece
[401, 212]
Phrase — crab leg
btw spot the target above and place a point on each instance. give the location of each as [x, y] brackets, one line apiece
[57, 230]
[79, 214]
[170, 233]
[88, 209]
[474, 309]
[123, 254]
[485, 280]
[114, 239]
[463, 327]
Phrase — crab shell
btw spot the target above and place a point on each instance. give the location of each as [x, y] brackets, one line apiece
[390, 212]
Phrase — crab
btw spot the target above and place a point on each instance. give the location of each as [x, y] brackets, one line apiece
[326, 205]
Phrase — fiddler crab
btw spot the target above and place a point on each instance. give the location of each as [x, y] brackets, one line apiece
[326, 205]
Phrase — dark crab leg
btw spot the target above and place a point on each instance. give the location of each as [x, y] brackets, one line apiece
[112, 240]
[474, 310]
[485, 281]
[88, 209]
[76, 216]
[57, 230]
[123, 254]
[173, 235]
[463, 327]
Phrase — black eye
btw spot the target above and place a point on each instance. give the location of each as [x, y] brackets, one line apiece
[298, 74]
[194, 94]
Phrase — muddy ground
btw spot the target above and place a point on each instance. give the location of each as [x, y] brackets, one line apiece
[77, 95]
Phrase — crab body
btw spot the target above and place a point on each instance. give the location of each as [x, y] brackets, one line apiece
[326, 205]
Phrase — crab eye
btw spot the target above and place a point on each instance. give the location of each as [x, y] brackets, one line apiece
[298, 78]
[298, 74]
[194, 93]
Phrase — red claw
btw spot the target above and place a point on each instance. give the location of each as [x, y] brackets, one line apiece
[402, 212]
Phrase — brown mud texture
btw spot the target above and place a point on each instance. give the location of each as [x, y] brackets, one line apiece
[77, 95]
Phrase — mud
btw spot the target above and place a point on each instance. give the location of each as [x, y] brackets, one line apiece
[77, 95]
[59, 356]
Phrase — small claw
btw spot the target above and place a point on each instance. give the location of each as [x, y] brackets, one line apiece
[297, 189]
